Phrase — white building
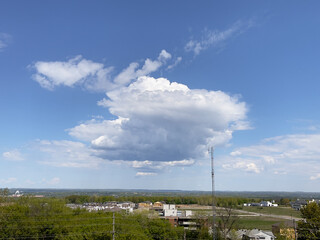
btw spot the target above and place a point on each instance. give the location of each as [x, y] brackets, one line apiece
[17, 194]
[186, 213]
[265, 204]
[261, 204]
[169, 210]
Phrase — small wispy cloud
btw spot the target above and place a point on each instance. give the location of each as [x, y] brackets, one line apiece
[143, 174]
[304, 125]
[315, 177]
[156, 166]
[75, 71]
[4, 40]
[8, 180]
[66, 154]
[176, 62]
[244, 165]
[215, 38]
[91, 75]
[13, 155]
[288, 154]
[52, 182]
[132, 72]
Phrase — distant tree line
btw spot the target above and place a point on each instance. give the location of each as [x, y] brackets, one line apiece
[200, 200]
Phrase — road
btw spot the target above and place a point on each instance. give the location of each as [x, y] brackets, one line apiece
[244, 213]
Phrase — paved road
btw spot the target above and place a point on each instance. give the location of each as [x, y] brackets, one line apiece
[247, 213]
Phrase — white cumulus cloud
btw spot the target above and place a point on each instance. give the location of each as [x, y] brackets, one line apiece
[162, 121]
[158, 124]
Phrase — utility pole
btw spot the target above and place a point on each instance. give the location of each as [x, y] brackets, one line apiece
[113, 226]
[295, 229]
[213, 194]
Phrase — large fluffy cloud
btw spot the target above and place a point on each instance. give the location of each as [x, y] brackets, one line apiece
[162, 121]
[158, 124]
[289, 154]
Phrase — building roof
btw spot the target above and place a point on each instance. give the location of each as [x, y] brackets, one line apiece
[254, 233]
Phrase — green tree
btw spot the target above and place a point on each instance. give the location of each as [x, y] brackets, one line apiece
[309, 228]
[284, 201]
[4, 194]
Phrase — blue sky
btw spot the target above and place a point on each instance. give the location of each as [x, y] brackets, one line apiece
[130, 94]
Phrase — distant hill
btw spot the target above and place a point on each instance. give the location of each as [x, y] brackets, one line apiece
[154, 192]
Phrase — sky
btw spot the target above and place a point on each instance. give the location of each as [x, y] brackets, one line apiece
[131, 94]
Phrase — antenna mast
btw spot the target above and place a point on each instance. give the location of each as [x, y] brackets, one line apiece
[213, 194]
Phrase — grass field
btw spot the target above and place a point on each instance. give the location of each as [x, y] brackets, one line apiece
[286, 211]
[250, 222]
[262, 223]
